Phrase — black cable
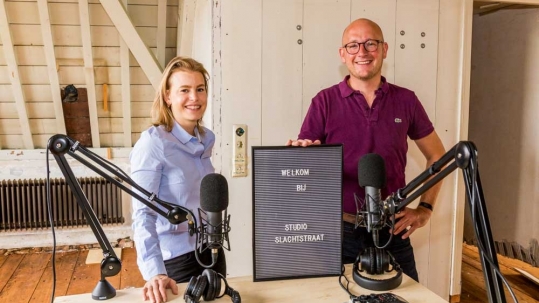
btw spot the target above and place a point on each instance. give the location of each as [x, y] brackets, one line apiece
[202, 250]
[473, 172]
[390, 234]
[346, 288]
[49, 209]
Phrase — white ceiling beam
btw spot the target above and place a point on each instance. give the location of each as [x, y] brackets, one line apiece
[140, 51]
[48, 47]
[13, 70]
[186, 28]
[89, 74]
[161, 31]
[126, 88]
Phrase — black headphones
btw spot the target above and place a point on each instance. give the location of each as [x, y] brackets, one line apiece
[376, 261]
[208, 285]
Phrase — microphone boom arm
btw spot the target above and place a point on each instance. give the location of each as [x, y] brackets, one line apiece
[59, 145]
[464, 156]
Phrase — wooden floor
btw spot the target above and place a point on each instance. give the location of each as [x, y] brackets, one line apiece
[28, 277]
[473, 282]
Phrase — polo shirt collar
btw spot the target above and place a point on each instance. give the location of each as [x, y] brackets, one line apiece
[346, 90]
[182, 135]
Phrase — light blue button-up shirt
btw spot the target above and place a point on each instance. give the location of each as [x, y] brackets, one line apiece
[171, 165]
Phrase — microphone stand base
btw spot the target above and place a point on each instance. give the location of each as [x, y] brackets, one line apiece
[103, 290]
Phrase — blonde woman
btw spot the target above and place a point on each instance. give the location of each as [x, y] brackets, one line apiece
[170, 159]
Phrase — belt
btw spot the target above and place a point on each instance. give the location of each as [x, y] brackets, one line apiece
[350, 218]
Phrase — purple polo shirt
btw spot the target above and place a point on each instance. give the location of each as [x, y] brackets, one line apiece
[339, 114]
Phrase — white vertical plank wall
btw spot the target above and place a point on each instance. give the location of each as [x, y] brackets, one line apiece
[282, 50]
[383, 12]
[323, 25]
[241, 87]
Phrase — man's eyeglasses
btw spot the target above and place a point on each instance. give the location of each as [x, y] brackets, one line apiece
[370, 45]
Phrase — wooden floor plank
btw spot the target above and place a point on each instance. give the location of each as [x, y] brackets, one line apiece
[130, 275]
[65, 264]
[469, 294]
[2, 259]
[9, 265]
[25, 278]
[85, 276]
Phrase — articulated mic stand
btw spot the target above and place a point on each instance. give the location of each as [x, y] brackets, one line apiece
[59, 145]
[464, 156]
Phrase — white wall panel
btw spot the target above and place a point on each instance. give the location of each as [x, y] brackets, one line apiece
[281, 70]
[415, 66]
[138, 109]
[117, 139]
[22, 13]
[115, 125]
[323, 25]
[450, 122]
[4, 75]
[37, 93]
[383, 12]
[5, 93]
[416, 69]
[144, 15]
[36, 110]
[241, 95]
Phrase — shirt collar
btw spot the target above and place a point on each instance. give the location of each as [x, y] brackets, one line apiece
[346, 90]
[182, 135]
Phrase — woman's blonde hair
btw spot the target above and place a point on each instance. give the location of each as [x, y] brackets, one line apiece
[161, 113]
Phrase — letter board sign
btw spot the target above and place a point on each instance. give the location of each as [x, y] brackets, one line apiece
[297, 211]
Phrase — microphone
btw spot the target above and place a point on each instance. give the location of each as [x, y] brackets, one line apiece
[213, 201]
[372, 177]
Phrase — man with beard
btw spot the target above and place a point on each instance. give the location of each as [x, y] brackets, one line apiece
[367, 114]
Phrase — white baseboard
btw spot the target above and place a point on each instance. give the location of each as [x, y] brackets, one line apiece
[64, 236]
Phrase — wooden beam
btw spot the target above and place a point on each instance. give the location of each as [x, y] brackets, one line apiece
[13, 69]
[48, 47]
[186, 28]
[126, 88]
[530, 2]
[491, 8]
[161, 31]
[89, 70]
[140, 51]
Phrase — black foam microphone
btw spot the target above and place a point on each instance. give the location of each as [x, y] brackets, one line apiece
[213, 202]
[372, 177]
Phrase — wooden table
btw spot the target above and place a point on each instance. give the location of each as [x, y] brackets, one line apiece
[311, 290]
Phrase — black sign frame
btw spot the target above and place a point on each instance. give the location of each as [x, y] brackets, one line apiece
[302, 236]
